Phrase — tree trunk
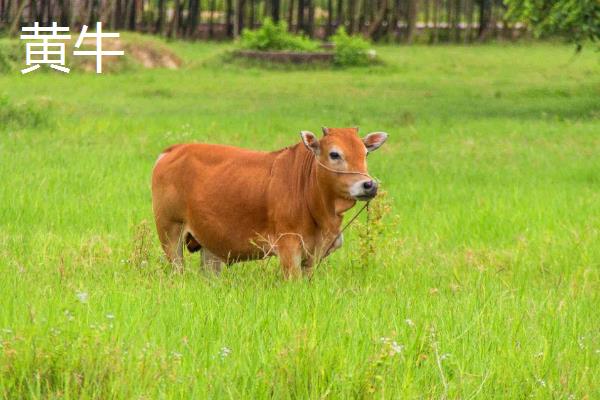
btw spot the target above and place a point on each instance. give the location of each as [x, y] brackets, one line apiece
[4, 10]
[42, 17]
[49, 17]
[229, 18]
[310, 26]
[329, 30]
[373, 27]
[485, 16]
[395, 20]
[448, 20]
[300, 20]
[174, 27]
[212, 17]
[426, 30]
[436, 13]
[14, 27]
[117, 15]
[411, 20]
[33, 11]
[457, 15]
[181, 22]
[90, 17]
[130, 17]
[340, 14]
[469, 8]
[351, 15]
[275, 10]
[355, 16]
[160, 21]
[106, 17]
[192, 23]
[240, 17]
[290, 18]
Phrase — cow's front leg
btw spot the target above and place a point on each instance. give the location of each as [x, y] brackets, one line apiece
[290, 256]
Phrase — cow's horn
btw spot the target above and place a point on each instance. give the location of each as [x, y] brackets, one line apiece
[325, 130]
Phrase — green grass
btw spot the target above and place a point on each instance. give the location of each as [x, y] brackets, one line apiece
[486, 269]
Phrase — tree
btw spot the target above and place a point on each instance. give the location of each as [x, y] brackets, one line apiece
[310, 26]
[275, 10]
[300, 20]
[160, 22]
[329, 30]
[17, 18]
[577, 20]
[485, 18]
[192, 22]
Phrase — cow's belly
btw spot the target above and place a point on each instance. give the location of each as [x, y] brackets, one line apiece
[230, 241]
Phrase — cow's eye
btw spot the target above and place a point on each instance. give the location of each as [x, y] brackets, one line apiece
[334, 155]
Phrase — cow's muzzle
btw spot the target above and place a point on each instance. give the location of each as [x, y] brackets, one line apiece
[365, 190]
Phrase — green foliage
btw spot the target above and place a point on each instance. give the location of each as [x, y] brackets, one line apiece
[350, 50]
[275, 36]
[10, 52]
[578, 20]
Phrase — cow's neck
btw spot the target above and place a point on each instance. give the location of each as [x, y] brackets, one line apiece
[325, 207]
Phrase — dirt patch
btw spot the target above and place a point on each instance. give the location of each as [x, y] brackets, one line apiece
[290, 57]
[146, 54]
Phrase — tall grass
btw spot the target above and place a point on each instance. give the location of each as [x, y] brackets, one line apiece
[478, 277]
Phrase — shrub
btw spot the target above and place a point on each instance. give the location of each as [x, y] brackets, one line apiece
[9, 56]
[350, 50]
[23, 115]
[272, 36]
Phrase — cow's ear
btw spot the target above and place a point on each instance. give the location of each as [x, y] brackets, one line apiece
[310, 141]
[374, 140]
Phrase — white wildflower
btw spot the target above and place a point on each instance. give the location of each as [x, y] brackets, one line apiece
[69, 315]
[541, 382]
[397, 348]
[82, 296]
[409, 322]
[110, 316]
[224, 352]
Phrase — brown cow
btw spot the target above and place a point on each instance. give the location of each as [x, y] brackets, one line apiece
[238, 204]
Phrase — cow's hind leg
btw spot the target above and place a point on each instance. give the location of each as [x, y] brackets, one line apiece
[171, 240]
[211, 262]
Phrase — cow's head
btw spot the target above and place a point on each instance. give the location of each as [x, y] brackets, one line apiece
[340, 151]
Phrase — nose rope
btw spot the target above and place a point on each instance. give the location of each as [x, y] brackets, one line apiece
[342, 172]
[322, 257]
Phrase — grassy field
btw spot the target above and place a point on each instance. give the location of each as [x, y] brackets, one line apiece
[479, 277]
